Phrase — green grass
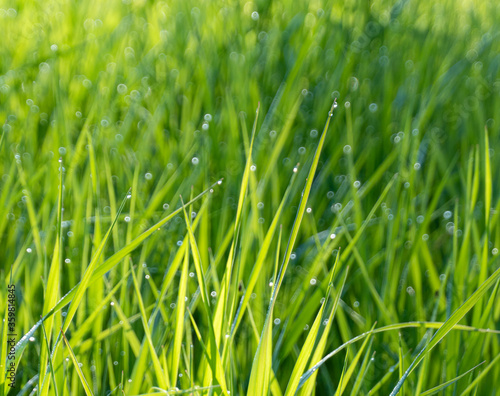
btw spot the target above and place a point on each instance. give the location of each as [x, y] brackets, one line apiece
[189, 214]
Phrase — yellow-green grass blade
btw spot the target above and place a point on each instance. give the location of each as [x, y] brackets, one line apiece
[261, 257]
[215, 359]
[311, 345]
[448, 383]
[52, 289]
[350, 370]
[260, 374]
[161, 377]
[369, 358]
[179, 318]
[86, 387]
[306, 385]
[342, 376]
[221, 307]
[448, 326]
[302, 206]
[51, 365]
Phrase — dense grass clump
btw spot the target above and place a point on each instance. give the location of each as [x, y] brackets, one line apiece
[190, 211]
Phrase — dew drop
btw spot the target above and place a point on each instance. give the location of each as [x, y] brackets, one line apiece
[122, 89]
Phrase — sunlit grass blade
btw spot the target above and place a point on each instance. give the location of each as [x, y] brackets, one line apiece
[52, 289]
[350, 370]
[302, 206]
[342, 376]
[221, 307]
[312, 349]
[86, 387]
[51, 365]
[215, 359]
[161, 377]
[179, 318]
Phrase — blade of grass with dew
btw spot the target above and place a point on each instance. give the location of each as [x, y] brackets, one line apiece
[261, 257]
[365, 366]
[311, 344]
[215, 359]
[179, 319]
[341, 382]
[487, 214]
[262, 365]
[84, 382]
[302, 206]
[257, 385]
[448, 325]
[393, 327]
[52, 289]
[350, 371]
[220, 309]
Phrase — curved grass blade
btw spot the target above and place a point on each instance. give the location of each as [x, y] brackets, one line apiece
[448, 326]
[392, 327]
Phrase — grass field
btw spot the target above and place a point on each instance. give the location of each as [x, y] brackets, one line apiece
[191, 212]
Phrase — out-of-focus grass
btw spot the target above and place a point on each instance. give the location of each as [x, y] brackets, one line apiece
[160, 97]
